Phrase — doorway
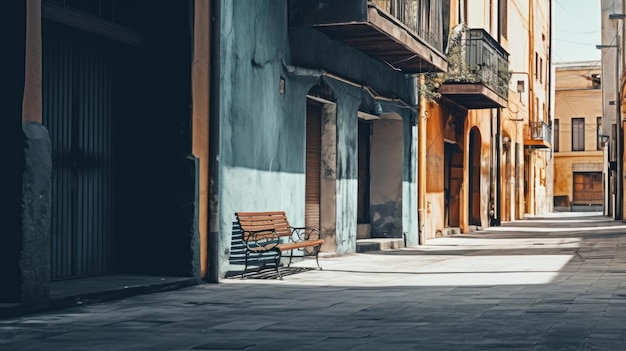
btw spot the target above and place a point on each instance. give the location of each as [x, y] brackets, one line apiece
[313, 163]
[453, 179]
[78, 104]
[363, 202]
[474, 177]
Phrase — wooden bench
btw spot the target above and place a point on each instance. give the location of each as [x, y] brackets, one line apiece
[267, 232]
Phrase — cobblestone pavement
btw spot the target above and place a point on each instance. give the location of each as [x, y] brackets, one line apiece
[556, 283]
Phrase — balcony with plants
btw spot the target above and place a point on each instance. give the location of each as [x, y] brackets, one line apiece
[405, 34]
[478, 72]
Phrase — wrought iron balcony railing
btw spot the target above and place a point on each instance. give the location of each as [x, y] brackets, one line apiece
[422, 17]
[475, 57]
[407, 35]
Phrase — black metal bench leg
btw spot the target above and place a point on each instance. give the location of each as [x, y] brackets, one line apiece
[245, 268]
[317, 254]
[290, 258]
[277, 263]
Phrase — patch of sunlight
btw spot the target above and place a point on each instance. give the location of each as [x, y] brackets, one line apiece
[439, 270]
[571, 220]
[474, 243]
[553, 229]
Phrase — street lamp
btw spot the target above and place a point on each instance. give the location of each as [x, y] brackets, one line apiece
[618, 117]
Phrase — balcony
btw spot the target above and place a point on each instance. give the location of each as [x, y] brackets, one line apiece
[537, 135]
[405, 34]
[478, 71]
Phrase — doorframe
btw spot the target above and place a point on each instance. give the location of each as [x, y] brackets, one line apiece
[328, 172]
[474, 171]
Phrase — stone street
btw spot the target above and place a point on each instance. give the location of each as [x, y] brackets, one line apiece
[553, 283]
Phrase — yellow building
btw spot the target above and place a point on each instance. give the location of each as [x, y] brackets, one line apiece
[578, 145]
[489, 134]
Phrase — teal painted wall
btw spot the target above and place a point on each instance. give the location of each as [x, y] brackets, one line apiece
[262, 133]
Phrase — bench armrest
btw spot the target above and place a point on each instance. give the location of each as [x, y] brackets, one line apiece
[305, 233]
[261, 240]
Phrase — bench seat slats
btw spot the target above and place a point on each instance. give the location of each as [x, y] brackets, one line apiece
[297, 245]
[261, 214]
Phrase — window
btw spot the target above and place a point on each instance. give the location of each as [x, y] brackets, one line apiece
[540, 70]
[598, 132]
[503, 19]
[536, 64]
[556, 135]
[578, 134]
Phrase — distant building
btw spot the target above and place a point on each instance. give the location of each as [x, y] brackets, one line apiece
[578, 140]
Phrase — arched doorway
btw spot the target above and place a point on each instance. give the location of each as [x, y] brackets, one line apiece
[474, 177]
[453, 170]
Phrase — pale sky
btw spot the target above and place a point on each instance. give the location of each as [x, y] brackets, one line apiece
[576, 30]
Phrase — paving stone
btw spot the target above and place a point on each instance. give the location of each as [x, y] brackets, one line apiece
[504, 288]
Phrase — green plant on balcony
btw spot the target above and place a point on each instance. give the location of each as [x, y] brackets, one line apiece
[504, 79]
[459, 71]
[430, 88]
[494, 72]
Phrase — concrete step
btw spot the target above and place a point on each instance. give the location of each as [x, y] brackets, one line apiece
[378, 244]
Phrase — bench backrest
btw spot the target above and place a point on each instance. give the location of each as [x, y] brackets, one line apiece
[257, 221]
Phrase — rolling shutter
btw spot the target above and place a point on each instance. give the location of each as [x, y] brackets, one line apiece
[313, 163]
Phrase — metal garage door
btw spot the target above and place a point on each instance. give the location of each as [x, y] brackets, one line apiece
[78, 109]
[588, 189]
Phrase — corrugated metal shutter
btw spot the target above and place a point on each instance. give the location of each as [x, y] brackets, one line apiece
[588, 188]
[313, 163]
[77, 102]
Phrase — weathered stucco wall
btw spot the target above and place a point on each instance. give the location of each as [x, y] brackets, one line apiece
[564, 165]
[435, 163]
[513, 132]
[262, 133]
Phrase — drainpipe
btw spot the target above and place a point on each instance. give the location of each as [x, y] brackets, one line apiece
[550, 116]
[421, 165]
[498, 177]
[530, 196]
[214, 143]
